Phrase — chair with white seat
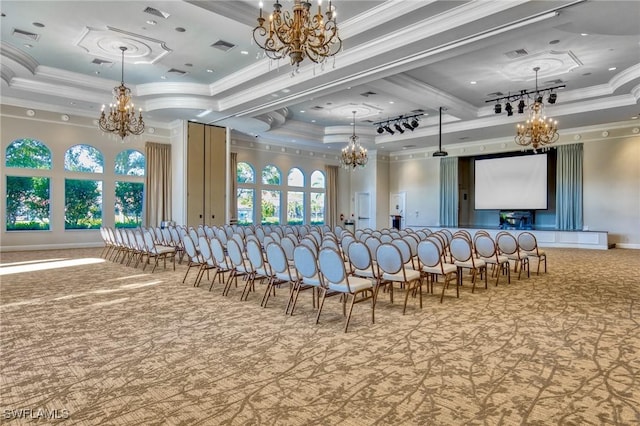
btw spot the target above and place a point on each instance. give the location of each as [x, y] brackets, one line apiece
[281, 273]
[486, 250]
[529, 245]
[432, 265]
[464, 258]
[306, 264]
[337, 282]
[392, 267]
[508, 246]
[223, 264]
[258, 266]
[240, 266]
[362, 265]
[194, 258]
[207, 259]
[158, 251]
[288, 245]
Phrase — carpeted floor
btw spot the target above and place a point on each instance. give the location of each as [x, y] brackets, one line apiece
[102, 343]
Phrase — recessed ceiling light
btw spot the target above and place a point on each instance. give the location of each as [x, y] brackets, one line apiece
[244, 52]
[584, 34]
[612, 69]
[313, 121]
[302, 111]
[391, 102]
[275, 95]
[28, 46]
[473, 82]
[286, 90]
[635, 117]
[97, 72]
[151, 22]
[209, 70]
[164, 77]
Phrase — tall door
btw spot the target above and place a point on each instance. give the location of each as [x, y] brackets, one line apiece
[206, 183]
[363, 210]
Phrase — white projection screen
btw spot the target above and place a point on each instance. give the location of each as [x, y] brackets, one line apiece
[511, 183]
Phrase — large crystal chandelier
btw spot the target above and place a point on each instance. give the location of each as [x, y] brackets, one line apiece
[298, 34]
[122, 118]
[538, 131]
[353, 155]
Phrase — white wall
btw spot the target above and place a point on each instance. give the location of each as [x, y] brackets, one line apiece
[420, 179]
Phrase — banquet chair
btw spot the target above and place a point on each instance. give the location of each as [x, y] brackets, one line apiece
[306, 264]
[337, 282]
[529, 245]
[223, 264]
[508, 245]
[208, 262]
[430, 256]
[193, 256]
[258, 266]
[158, 252]
[281, 273]
[240, 266]
[463, 258]
[487, 251]
[392, 267]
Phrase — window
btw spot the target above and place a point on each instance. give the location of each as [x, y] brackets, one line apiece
[130, 163]
[317, 197]
[129, 193]
[245, 176]
[82, 204]
[296, 177]
[83, 197]
[271, 175]
[295, 208]
[270, 207]
[83, 158]
[28, 195]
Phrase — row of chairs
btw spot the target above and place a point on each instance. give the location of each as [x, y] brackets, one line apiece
[135, 246]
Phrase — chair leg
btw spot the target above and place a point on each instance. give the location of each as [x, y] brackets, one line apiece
[353, 299]
[321, 303]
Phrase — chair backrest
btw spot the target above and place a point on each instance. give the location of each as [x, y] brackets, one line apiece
[527, 242]
[332, 267]
[209, 232]
[235, 252]
[140, 241]
[373, 243]
[389, 258]
[305, 261]
[485, 246]
[275, 236]
[217, 250]
[266, 241]
[507, 243]
[254, 253]
[359, 255]
[311, 243]
[405, 249]
[316, 236]
[385, 238]
[413, 241]
[330, 242]
[193, 234]
[260, 234]
[222, 236]
[448, 235]
[190, 247]
[166, 236]
[277, 257]
[238, 239]
[205, 250]
[429, 253]
[148, 240]
[175, 236]
[200, 231]
[460, 249]
[288, 245]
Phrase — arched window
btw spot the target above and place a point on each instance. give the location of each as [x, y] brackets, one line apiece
[129, 193]
[246, 193]
[245, 173]
[317, 179]
[28, 196]
[317, 197]
[130, 162]
[271, 175]
[83, 158]
[296, 177]
[83, 197]
[28, 154]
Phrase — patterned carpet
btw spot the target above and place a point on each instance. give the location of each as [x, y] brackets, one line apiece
[102, 343]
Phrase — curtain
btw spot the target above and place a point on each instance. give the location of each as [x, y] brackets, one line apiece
[569, 187]
[449, 191]
[331, 200]
[233, 204]
[157, 183]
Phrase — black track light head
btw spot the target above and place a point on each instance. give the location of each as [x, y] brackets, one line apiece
[552, 98]
[380, 130]
[415, 123]
[521, 106]
[388, 129]
[407, 126]
[398, 127]
[497, 108]
[509, 109]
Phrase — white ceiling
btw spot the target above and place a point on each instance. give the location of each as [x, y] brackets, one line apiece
[412, 55]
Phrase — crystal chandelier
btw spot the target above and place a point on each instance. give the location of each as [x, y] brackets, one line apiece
[298, 34]
[353, 155]
[538, 131]
[122, 118]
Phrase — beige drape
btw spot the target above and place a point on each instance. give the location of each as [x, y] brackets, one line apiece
[157, 183]
[233, 205]
[331, 212]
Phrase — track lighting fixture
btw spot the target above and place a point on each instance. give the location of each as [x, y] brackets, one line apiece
[509, 109]
[521, 106]
[552, 98]
[409, 122]
[497, 108]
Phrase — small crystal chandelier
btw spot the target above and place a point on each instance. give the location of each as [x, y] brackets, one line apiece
[298, 34]
[353, 155]
[538, 131]
[122, 118]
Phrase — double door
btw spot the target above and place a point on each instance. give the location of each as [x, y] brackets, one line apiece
[206, 175]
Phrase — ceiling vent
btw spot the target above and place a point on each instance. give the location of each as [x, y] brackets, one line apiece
[97, 61]
[317, 107]
[156, 12]
[176, 71]
[417, 111]
[25, 35]
[225, 46]
[367, 121]
[495, 95]
[367, 94]
[555, 82]
[518, 53]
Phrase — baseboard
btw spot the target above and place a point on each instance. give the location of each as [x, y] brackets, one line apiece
[50, 247]
[627, 246]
